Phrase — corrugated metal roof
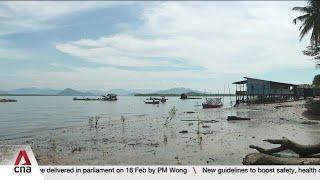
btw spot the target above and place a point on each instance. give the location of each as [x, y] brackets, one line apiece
[271, 81]
[240, 82]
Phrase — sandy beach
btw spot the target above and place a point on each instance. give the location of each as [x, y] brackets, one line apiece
[146, 140]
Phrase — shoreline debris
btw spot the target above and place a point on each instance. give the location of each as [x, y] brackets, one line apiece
[183, 132]
[189, 112]
[202, 121]
[307, 153]
[282, 106]
[236, 118]
[309, 122]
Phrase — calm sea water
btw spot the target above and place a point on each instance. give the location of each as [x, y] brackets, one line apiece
[32, 114]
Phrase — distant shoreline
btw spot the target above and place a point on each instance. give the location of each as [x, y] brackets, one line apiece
[155, 94]
[151, 94]
[40, 95]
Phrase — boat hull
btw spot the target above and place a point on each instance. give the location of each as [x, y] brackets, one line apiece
[8, 100]
[93, 99]
[207, 106]
[156, 102]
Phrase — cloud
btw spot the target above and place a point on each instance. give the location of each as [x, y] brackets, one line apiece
[225, 39]
[17, 17]
[124, 50]
[12, 54]
[247, 37]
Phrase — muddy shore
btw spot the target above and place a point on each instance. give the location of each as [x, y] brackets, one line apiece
[146, 140]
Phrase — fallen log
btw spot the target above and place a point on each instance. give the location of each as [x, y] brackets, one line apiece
[282, 106]
[203, 121]
[287, 144]
[265, 159]
[236, 118]
[308, 154]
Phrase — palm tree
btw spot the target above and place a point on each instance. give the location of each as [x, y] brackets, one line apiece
[310, 21]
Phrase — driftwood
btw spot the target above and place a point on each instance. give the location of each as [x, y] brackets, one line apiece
[307, 153]
[287, 144]
[203, 121]
[265, 159]
[236, 118]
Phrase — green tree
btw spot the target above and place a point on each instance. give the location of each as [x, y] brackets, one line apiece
[310, 22]
[316, 80]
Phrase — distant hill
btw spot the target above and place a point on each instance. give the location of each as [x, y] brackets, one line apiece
[32, 91]
[3, 92]
[72, 92]
[131, 91]
[177, 91]
[151, 91]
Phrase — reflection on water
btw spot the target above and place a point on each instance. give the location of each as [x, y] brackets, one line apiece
[36, 113]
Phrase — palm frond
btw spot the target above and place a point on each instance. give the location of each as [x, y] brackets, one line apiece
[306, 27]
[314, 3]
[301, 18]
[307, 9]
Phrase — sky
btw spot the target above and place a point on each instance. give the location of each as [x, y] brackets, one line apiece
[150, 45]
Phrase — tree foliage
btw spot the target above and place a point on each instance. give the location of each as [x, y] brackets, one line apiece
[316, 80]
[310, 22]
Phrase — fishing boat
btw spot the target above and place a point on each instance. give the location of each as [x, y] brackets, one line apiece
[8, 100]
[108, 97]
[162, 99]
[152, 101]
[212, 103]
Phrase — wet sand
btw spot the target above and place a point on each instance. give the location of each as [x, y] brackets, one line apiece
[145, 140]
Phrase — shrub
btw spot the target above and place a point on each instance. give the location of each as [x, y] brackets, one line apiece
[313, 107]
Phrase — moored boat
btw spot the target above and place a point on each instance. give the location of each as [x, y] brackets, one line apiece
[8, 100]
[152, 101]
[162, 99]
[212, 103]
[108, 97]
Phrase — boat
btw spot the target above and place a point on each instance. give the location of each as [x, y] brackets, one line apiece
[85, 99]
[152, 101]
[212, 103]
[108, 97]
[8, 100]
[162, 99]
[184, 96]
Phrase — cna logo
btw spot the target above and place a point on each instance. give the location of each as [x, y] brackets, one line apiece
[22, 154]
[22, 163]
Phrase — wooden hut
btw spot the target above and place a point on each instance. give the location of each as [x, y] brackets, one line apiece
[253, 90]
